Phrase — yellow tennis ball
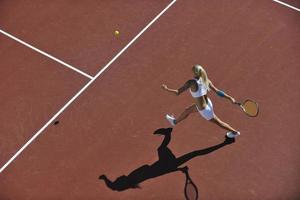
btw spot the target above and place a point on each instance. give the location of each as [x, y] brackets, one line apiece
[117, 32]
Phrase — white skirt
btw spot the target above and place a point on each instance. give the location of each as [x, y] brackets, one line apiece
[208, 111]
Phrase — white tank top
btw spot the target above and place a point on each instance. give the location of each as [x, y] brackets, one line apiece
[202, 89]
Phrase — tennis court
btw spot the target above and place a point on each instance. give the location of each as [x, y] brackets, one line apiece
[60, 60]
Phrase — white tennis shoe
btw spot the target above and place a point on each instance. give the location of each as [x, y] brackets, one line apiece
[171, 119]
[232, 134]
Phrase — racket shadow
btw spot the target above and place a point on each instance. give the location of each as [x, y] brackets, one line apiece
[167, 163]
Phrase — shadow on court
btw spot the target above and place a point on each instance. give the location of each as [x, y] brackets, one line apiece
[167, 163]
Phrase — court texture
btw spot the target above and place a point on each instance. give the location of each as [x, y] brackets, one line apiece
[61, 61]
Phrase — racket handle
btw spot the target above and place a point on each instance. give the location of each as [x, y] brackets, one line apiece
[238, 103]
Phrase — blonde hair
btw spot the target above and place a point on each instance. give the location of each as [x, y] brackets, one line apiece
[200, 71]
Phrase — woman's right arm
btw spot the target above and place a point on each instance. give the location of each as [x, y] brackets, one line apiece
[221, 93]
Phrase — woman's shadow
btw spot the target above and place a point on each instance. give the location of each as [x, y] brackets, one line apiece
[167, 163]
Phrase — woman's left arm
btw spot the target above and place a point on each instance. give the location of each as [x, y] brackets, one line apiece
[177, 92]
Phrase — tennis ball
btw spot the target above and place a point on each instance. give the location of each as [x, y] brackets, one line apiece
[117, 32]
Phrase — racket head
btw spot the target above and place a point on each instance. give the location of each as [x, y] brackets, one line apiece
[250, 107]
[190, 189]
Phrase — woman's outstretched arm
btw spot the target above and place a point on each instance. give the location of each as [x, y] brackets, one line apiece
[221, 93]
[186, 86]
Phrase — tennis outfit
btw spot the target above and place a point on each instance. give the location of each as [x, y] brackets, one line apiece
[208, 112]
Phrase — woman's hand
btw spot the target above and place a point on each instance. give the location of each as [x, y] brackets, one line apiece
[233, 100]
[164, 86]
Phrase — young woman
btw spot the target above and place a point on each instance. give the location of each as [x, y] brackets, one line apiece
[199, 87]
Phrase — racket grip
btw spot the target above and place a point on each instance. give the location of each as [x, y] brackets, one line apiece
[238, 103]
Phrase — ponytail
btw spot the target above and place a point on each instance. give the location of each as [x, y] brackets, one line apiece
[200, 71]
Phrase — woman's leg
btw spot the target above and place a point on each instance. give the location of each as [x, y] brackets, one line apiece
[186, 113]
[222, 124]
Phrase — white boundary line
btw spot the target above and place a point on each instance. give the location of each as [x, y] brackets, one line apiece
[83, 89]
[287, 5]
[45, 54]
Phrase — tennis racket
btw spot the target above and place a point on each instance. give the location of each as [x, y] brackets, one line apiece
[249, 107]
[190, 188]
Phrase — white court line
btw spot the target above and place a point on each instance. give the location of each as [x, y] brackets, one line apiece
[84, 88]
[287, 5]
[45, 54]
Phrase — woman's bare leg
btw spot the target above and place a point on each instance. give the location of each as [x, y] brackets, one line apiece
[186, 113]
[222, 124]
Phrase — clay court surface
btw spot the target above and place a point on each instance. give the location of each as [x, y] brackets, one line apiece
[249, 48]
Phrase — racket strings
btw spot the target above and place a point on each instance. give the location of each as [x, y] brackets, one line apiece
[250, 107]
[191, 191]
